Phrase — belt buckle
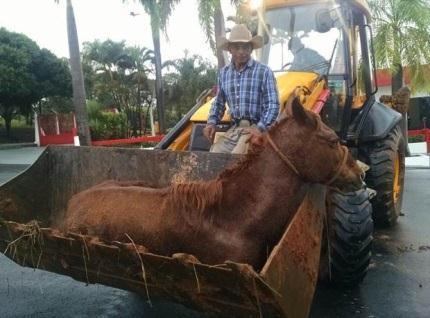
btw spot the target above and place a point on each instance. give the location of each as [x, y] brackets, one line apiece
[244, 123]
[241, 122]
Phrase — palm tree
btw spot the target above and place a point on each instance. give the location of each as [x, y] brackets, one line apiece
[79, 99]
[402, 39]
[104, 55]
[159, 12]
[191, 76]
[211, 19]
[141, 60]
[103, 58]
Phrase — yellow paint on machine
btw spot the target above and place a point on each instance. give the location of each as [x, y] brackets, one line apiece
[203, 112]
[182, 142]
[286, 82]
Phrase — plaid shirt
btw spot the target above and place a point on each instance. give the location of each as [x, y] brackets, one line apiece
[251, 94]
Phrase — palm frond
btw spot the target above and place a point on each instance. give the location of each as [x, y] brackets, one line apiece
[402, 35]
[206, 11]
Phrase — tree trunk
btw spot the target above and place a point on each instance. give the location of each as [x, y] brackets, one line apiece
[8, 122]
[396, 84]
[397, 79]
[158, 78]
[79, 100]
[219, 26]
[28, 119]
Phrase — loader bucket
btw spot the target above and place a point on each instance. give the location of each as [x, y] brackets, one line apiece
[283, 288]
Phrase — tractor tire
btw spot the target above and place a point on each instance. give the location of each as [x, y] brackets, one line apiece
[350, 229]
[386, 159]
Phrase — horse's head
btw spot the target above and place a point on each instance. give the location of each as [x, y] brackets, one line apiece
[313, 149]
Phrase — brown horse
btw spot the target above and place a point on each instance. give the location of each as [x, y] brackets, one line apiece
[238, 215]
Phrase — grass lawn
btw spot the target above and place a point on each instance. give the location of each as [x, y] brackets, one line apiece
[19, 133]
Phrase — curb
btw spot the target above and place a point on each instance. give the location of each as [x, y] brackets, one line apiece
[417, 168]
[15, 166]
[19, 145]
[422, 161]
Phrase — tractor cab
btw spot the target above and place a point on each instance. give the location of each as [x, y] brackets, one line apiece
[333, 41]
[329, 39]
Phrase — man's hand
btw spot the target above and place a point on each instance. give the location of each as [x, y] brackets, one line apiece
[209, 132]
[256, 137]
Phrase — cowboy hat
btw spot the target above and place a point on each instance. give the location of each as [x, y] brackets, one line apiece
[240, 34]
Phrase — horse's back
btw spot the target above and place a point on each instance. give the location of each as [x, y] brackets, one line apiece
[111, 209]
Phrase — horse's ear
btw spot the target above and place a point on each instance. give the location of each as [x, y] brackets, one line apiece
[300, 114]
[298, 111]
[288, 111]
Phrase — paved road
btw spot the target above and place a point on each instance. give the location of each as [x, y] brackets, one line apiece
[16, 160]
[398, 283]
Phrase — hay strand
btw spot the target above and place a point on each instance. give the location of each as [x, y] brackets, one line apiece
[143, 269]
[260, 312]
[31, 238]
[197, 279]
[85, 265]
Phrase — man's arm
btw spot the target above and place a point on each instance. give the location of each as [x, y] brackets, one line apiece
[216, 112]
[270, 101]
[218, 106]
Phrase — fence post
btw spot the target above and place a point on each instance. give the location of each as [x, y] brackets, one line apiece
[427, 138]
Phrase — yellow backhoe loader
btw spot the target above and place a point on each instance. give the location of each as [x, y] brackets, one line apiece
[337, 80]
[333, 73]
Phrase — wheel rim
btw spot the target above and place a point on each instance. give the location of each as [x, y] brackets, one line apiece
[396, 182]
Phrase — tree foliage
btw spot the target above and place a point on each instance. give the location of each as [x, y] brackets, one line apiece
[28, 75]
[190, 76]
[159, 12]
[402, 38]
[211, 18]
[118, 73]
[119, 77]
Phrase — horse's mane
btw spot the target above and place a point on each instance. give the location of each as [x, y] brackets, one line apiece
[241, 164]
[193, 199]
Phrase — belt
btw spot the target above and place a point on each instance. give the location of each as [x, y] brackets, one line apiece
[243, 122]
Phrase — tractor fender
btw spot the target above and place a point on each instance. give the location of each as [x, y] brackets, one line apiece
[378, 123]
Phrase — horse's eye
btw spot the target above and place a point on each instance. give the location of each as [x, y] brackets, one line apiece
[332, 144]
[329, 138]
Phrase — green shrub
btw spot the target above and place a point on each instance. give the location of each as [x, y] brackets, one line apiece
[18, 122]
[94, 109]
[106, 125]
[109, 126]
[412, 139]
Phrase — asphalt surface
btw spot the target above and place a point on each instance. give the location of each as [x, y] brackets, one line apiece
[398, 282]
[397, 285]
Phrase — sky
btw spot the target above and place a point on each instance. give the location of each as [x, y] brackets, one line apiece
[44, 21]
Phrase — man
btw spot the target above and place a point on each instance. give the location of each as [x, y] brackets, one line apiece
[306, 59]
[250, 90]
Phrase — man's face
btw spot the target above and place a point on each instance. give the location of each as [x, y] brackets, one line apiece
[240, 52]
